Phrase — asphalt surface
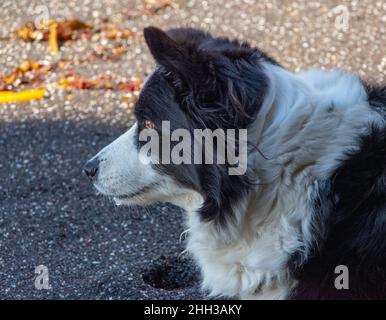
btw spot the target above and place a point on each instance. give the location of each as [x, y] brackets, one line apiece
[49, 213]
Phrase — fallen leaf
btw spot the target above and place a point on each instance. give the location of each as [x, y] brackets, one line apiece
[157, 5]
[29, 32]
[116, 53]
[133, 85]
[18, 75]
[53, 38]
[26, 95]
[28, 65]
[73, 80]
[67, 28]
[52, 31]
[11, 78]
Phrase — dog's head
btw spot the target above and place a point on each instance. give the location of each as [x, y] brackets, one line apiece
[200, 82]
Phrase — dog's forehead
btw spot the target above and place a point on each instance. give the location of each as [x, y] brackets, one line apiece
[157, 100]
[155, 91]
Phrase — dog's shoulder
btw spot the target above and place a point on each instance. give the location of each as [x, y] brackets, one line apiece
[350, 219]
[350, 212]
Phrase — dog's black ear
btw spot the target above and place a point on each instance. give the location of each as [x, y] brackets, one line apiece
[166, 51]
[180, 56]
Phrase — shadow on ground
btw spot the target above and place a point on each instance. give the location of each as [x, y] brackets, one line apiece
[51, 216]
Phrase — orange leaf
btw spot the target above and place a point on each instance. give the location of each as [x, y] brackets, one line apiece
[53, 39]
[66, 28]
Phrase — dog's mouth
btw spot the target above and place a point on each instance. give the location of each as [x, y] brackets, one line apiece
[136, 193]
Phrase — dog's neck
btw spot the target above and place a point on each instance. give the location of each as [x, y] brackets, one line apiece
[285, 91]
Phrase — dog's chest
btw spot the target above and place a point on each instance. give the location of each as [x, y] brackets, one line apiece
[254, 265]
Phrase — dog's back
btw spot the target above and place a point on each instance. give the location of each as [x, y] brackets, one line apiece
[352, 206]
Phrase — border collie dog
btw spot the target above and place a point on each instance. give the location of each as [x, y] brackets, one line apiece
[313, 196]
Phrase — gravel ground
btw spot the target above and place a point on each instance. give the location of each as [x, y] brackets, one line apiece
[49, 213]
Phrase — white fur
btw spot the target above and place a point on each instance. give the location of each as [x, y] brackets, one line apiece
[306, 124]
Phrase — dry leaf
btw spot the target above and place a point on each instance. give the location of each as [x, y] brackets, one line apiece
[133, 85]
[26, 95]
[157, 5]
[52, 31]
[67, 28]
[53, 38]
[30, 33]
[19, 75]
[73, 80]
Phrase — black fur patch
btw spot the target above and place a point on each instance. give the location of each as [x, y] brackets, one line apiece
[351, 229]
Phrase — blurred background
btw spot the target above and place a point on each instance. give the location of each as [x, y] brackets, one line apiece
[70, 74]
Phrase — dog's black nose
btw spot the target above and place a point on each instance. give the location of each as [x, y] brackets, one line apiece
[91, 167]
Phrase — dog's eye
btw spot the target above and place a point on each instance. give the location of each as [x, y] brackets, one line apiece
[149, 124]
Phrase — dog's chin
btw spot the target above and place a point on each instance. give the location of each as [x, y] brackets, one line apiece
[143, 197]
[124, 201]
[129, 200]
[142, 201]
